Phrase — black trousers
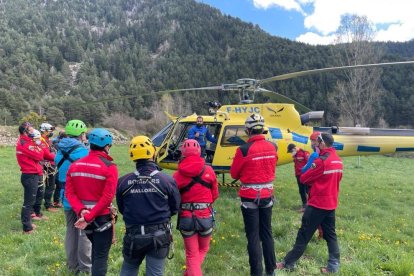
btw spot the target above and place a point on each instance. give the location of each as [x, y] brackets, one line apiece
[303, 191]
[58, 187]
[39, 197]
[49, 189]
[311, 219]
[101, 244]
[260, 243]
[30, 184]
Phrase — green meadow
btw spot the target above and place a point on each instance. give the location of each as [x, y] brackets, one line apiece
[375, 224]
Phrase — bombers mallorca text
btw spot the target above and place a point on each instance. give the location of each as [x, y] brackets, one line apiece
[143, 181]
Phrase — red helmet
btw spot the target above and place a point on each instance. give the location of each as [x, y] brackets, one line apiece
[190, 147]
[315, 135]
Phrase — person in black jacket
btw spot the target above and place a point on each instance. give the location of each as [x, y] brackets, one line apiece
[147, 199]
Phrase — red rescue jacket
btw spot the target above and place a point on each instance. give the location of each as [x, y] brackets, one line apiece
[91, 184]
[323, 178]
[300, 160]
[29, 155]
[255, 163]
[188, 168]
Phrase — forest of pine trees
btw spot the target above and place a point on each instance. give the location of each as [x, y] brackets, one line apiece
[57, 55]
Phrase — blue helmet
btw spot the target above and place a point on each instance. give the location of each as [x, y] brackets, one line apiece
[100, 137]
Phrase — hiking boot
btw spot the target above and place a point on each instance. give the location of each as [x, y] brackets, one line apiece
[320, 236]
[320, 232]
[325, 270]
[52, 209]
[280, 266]
[30, 231]
[39, 217]
[57, 205]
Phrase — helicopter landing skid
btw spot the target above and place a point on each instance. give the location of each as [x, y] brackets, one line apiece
[235, 183]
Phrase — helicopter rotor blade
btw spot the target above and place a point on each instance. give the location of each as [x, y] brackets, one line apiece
[322, 70]
[282, 98]
[158, 93]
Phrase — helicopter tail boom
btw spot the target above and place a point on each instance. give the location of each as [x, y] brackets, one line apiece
[354, 141]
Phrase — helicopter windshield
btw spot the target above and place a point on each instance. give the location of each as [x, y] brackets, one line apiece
[159, 137]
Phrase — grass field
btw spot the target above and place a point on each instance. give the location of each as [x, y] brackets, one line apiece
[375, 225]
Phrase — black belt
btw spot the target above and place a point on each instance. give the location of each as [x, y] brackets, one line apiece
[146, 229]
[195, 206]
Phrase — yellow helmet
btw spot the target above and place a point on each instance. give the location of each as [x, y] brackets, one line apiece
[141, 147]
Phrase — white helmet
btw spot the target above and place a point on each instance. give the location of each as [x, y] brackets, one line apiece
[46, 127]
[254, 121]
[35, 134]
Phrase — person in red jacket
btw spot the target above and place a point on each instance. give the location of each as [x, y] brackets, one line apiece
[255, 165]
[90, 187]
[198, 187]
[29, 155]
[323, 178]
[300, 157]
[49, 167]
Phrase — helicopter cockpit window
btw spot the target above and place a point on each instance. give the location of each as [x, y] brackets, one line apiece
[234, 136]
[159, 137]
[181, 133]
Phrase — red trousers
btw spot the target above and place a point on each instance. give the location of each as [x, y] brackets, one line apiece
[196, 248]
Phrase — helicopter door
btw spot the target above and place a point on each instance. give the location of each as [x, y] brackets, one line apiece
[164, 140]
[169, 152]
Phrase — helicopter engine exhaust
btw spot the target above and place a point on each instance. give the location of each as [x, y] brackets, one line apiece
[311, 116]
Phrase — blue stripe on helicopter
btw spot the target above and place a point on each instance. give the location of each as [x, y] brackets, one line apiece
[276, 133]
[299, 138]
[368, 149]
[338, 146]
[404, 149]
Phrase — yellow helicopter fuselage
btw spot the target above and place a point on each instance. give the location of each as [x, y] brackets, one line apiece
[283, 126]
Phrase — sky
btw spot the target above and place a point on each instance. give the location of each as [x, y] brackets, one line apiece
[316, 21]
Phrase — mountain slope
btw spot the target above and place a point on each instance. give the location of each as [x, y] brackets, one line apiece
[55, 54]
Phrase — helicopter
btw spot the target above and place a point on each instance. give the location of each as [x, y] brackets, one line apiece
[283, 125]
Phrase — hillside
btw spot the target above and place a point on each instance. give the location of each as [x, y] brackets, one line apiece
[9, 134]
[56, 55]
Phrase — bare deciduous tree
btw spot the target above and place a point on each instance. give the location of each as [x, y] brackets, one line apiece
[358, 96]
[175, 105]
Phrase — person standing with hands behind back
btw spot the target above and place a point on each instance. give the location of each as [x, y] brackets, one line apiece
[255, 165]
[147, 199]
[200, 133]
[90, 188]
